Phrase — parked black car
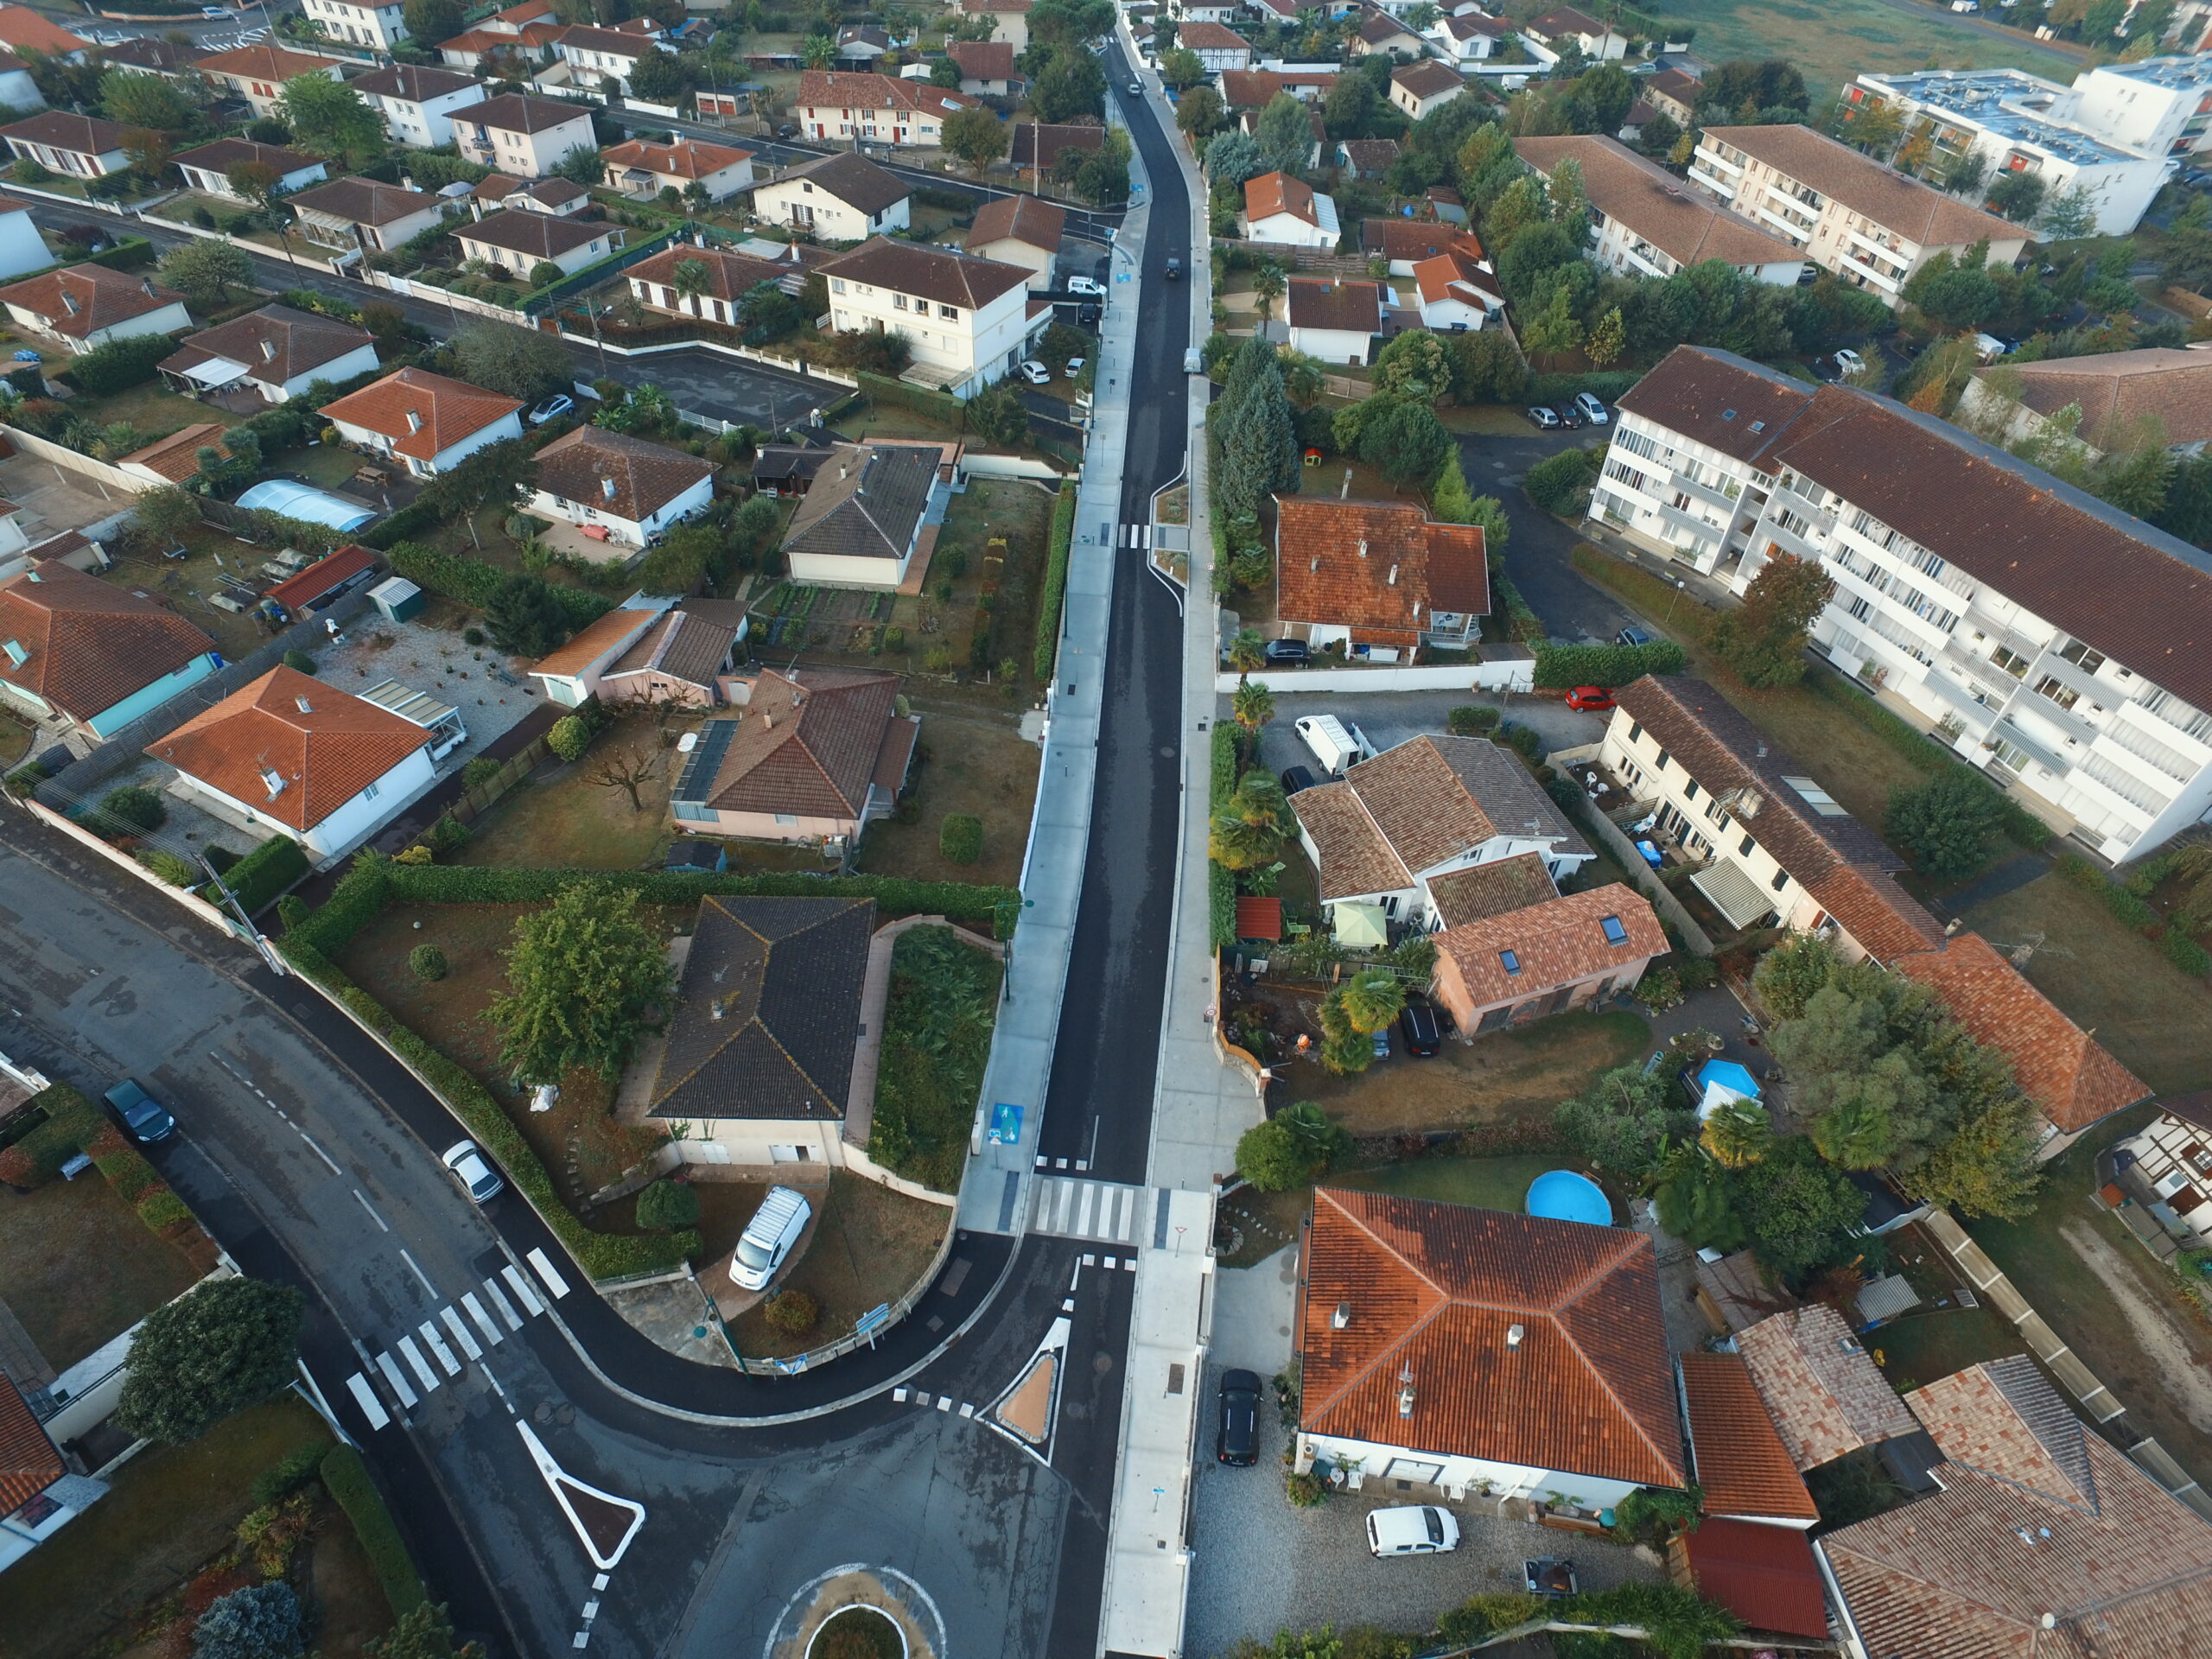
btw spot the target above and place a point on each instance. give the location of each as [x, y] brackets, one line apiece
[1283, 653]
[1238, 1442]
[145, 1119]
[1417, 1024]
[1087, 313]
[1295, 778]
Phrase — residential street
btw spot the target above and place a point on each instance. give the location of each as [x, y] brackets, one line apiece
[1536, 557]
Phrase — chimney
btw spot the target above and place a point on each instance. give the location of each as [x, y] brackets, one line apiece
[700, 238]
[767, 721]
[1363, 547]
[1341, 1318]
[273, 781]
[714, 1009]
[1314, 564]
[406, 183]
[1394, 576]
[1405, 1390]
[413, 422]
[1513, 1335]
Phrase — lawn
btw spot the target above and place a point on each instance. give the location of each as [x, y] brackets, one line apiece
[973, 762]
[167, 1511]
[1488, 1183]
[1834, 41]
[152, 408]
[79, 1267]
[2109, 979]
[1506, 1077]
[1932, 1343]
[578, 1141]
[560, 818]
[14, 742]
[183, 585]
[937, 1036]
[869, 1247]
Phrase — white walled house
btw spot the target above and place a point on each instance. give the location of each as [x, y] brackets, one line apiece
[258, 73]
[844, 198]
[630, 488]
[417, 102]
[968, 320]
[82, 147]
[882, 109]
[520, 242]
[1286, 210]
[1470, 38]
[1546, 37]
[1646, 223]
[728, 276]
[2170, 1157]
[294, 754]
[1009, 19]
[526, 137]
[1021, 230]
[571, 673]
[17, 90]
[277, 351]
[208, 169]
[425, 420]
[1418, 88]
[87, 306]
[641, 169]
[379, 26]
[1336, 321]
[871, 512]
[602, 59]
[1457, 291]
[1218, 48]
[21, 248]
[1959, 583]
[350, 215]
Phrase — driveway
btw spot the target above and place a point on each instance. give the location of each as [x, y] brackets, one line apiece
[1572, 609]
[1389, 718]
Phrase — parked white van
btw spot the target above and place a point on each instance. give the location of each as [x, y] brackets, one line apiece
[1334, 745]
[768, 1237]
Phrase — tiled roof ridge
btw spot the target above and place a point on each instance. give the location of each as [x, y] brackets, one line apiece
[1668, 1459]
[1438, 1300]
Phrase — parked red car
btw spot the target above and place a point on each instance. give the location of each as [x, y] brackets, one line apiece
[1595, 698]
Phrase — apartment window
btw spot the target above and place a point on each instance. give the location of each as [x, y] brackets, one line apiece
[1509, 961]
[837, 284]
[1663, 758]
[371, 792]
[1689, 789]
[1781, 880]
[2082, 656]
[897, 301]
[1636, 728]
[1860, 607]
[1746, 847]
[950, 313]
[1615, 933]
[2010, 661]
[2057, 690]
[2010, 753]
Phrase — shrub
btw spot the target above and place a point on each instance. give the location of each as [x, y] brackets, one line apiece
[132, 807]
[1947, 824]
[120, 364]
[1470, 719]
[287, 1474]
[1524, 740]
[1561, 484]
[347, 1479]
[427, 962]
[961, 838]
[2185, 953]
[1305, 1491]
[124, 1168]
[161, 1208]
[268, 870]
[792, 1311]
[300, 662]
[479, 771]
[569, 738]
[666, 1205]
[171, 868]
[894, 638]
[23, 781]
[1056, 585]
[1562, 667]
[1659, 989]
[291, 911]
[71, 1122]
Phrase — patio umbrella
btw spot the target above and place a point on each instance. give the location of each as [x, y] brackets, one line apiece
[1360, 927]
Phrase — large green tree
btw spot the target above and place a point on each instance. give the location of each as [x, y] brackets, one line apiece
[430, 22]
[328, 118]
[1622, 1122]
[224, 1345]
[1249, 828]
[518, 362]
[1285, 135]
[1947, 824]
[975, 136]
[1800, 1212]
[1763, 638]
[424, 1631]
[136, 100]
[206, 272]
[522, 617]
[585, 976]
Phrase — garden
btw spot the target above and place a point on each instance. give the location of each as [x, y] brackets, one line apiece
[937, 1039]
[870, 1246]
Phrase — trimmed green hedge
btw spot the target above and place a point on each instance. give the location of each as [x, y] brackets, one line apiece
[72, 1120]
[261, 874]
[161, 1208]
[1607, 384]
[1056, 583]
[1221, 881]
[130, 254]
[1520, 621]
[471, 582]
[410, 520]
[128, 1173]
[939, 406]
[345, 1478]
[1562, 666]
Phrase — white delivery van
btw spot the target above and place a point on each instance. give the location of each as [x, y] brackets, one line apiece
[1334, 745]
[768, 1237]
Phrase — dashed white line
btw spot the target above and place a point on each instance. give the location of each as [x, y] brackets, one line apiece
[371, 1209]
[419, 1273]
[320, 1153]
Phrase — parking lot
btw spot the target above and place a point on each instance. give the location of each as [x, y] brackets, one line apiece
[1389, 718]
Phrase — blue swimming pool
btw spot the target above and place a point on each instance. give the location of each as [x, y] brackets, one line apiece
[1565, 1195]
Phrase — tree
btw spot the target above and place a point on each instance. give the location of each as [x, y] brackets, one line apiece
[976, 136]
[522, 617]
[1607, 339]
[133, 807]
[1349, 111]
[1622, 1122]
[1800, 1212]
[146, 150]
[1181, 69]
[1268, 284]
[628, 770]
[496, 473]
[946, 73]
[660, 78]
[1291, 1148]
[2071, 214]
[583, 976]
[1254, 706]
[1956, 293]
[430, 22]
[1405, 442]
[1284, 133]
[1102, 180]
[1788, 975]
[206, 272]
[1232, 159]
[666, 1205]
[259, 1621]
[1868, 1099]
[1372, 998]
[329, 117]
[136, 100]
[1071, 84]
[1987, 1166]
[1763, 638]
[1737, 1132]
[819, 51]
[1247, 651]
[1948, 825]
[1200, 113]
[1450, 502]
[1414, 364]
[520, 363]
[423, 1632]
[2018, 196]
[1255, 432]
[569, 739]
[1249, 828]
[226, 1344]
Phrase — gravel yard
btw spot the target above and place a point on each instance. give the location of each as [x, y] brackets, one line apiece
[435, 661]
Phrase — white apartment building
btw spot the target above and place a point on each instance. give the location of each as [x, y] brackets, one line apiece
[2113, 133]
[380, 27]
[1960, 588]
[967, 321]
[417, 103]
[1646, 223]
[1845, 213]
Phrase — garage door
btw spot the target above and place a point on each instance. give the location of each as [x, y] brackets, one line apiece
[1429, 1474]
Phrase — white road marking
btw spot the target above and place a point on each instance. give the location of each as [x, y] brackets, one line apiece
[365, 1398]
[371, 1209]
[437, 1344]
[419, 1365]
[401, 1392]
[320, 1154]
[493, 1334]
[549, 1273]
[460, 1332]
[500, 1301]
[524, 1292]
[419, 1273]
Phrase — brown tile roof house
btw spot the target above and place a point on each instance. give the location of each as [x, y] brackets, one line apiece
[812, 743]
[320, 746]
[84, 299]
[1409, 239]
[512, 112]
[595, 639]
[1250, 89]
[1370, 158]
[276, 344]
[2119, 390]
[1438, 1289]
[1566, 20]
[1763, 1574]
[1272, 193]
[1427, 79]
[1379, 567]
[1481, 890]
[864, 90]
[1822, 1388]
[1723, 401]
[1527, 956]
[854, 180]
[683, 645]
[984, 59]
[28, 1462]
[1688, 227]
[1379, 29]
[364, 202]
[688, 160]
[444, 411]
[867, 503]
[2073, 1079]
[1025, 219]
[88, 644]
[415, 83]
[175, 458]
[1211, 37]
[81, 135]
[730, 275]
[270, 63]
[768, 1012]
[2043, 1542]
[647, 476]
[1334, 306]
[1917, 212]
[937, 274]
[1417, 805]
[1040, 143]
[534, 236]
[155, 57]
[227, 153]
[1739, 1458]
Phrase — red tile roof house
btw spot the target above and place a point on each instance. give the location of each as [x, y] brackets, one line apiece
[424, 419]
[1020, 230]
[1571, 951]
[1218, 48]
[729, 276]
[85, 658]
[818, 755]
[1377, 576]
[87, 306]
[38, 1495]
[294, 754]
[630, 489]
[258, 73]
[1279, 208]
[1824, 1394]
[1477, 1351]
[987, 68]
[641, 169]
[571, 673]
[907, 114]
[1336, 321]
[2044, 1541]
[82, 147]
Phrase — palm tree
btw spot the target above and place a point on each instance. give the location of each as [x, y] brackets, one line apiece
[2192, 864]
[1246, 652]
[1266, 286]
[1255, 706]
[1301, 379]
[1372, 998]
[691, 279]
[1738, 1132]
[1252, 824]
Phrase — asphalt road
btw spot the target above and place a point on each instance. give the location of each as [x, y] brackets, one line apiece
[1537, 552]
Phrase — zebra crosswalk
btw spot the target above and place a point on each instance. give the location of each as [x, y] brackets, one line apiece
[1108, 1211]
[423, 1360]
[1136, 536]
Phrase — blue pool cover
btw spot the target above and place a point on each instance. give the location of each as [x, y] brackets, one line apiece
[1565, 1195]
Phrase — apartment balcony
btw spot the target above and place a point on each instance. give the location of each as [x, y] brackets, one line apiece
[1795, 543]
[1726, 500]
[1718, 183]
[1719, 164]
[2075, 724]
[1795, 234]
[1886, 249]
[2122, 792]
[2037, 749]
[1863, 264]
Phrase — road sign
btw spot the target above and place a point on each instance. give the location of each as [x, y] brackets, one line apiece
[1006, 1125]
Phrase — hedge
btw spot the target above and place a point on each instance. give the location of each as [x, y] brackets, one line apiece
[471, 582]
[940, 406]
[1520, 619]
[71, 1121]
[119, 363]
[263, 874]
[1056, 583]
[1607, 384]
[345, 1478]
[2185, 953]
[130, 254]
[128, 1173]
[1221, 881]
[161, 1208]
[1561, 666]
[410, 520]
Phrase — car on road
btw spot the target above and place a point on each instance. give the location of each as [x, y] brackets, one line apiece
[1136, 89]
[1074, 367]
[1632, 637]
[145, 1119]
[1174, 269]
[1194, 360]
[1285, 652]
[1412, 1530]
[1086, 285]
[1591, 410]
[1036, 374]
[1087, 313]
[768, 1237]
[1591, 699]
[1849, 362]
[472, 1172]
[1236, 1441]
[552, 408]
[216, 11]
[1417, 1024]
[1543, 418]
[1297, 778]
[787, 131]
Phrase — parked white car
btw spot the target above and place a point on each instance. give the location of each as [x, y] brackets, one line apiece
[1036, 374]
[768, 1237]
[1086, 285]
[471, 1170]
[1412, 1530]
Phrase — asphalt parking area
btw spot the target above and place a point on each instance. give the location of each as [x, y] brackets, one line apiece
[722, 388]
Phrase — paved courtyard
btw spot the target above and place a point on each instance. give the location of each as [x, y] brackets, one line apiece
[1389, 718]
[439, 662]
